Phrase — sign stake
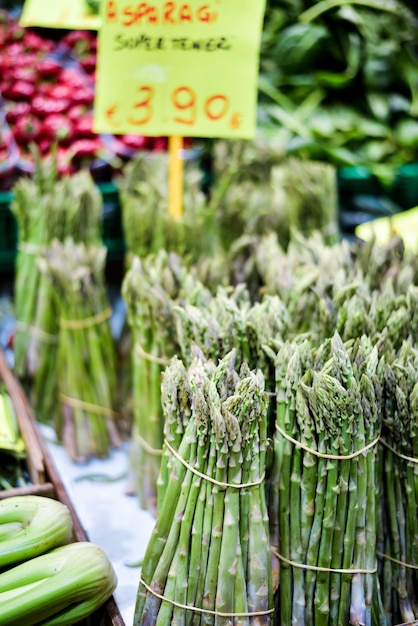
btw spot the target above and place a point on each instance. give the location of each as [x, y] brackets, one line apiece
[175, 176]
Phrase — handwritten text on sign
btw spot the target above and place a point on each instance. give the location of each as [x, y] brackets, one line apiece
[175, 68]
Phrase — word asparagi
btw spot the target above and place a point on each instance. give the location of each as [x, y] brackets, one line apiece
[167, 13]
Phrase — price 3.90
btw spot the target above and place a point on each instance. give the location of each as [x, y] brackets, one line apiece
[187, 107]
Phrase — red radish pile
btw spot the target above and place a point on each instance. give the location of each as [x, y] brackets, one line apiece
[47, 89]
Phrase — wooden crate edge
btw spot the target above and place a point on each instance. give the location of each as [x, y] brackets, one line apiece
[34, 454]
[50, 483]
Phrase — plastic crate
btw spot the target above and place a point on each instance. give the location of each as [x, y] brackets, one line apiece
[405, 187]
[357, 180]
[361, 198]
[8, 233]
[112, 228]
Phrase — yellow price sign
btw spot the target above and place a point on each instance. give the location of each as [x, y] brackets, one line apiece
[178, 68]
[71, 14]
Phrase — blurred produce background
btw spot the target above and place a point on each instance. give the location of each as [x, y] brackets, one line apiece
[338, 84]
[124, 323]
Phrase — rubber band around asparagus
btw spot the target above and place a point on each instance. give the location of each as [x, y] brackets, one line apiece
[209, 478]
[146, 446]
[81, 404]
[411, 459]
[383, 555]
[88, 321]
[199, 610]
[151, 357]
[38, 333]
[30, 248]
[324, 455]
[317, 568]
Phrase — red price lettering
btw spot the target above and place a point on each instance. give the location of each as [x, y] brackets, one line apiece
[235, 121]
[184, 99]
[144, 106]
[216, 107]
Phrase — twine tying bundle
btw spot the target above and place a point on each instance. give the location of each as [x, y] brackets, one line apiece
[86, 322]
[209, 478]
[88, 406]
[196, 609]
[36, 332]
[324, 455]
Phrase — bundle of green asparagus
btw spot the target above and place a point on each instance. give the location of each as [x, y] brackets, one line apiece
[322, 497]
[149, 225]
[169, 312]
[305, 199]
[398, 463]
[324, 287]
[321, 331]
[228, 321]
[46, 208]
[151, 288]
[258, 190]
[88, 423]
[241, 194]
[207, 561]
[31, 212]
[379, 262]
[304, 275]
[319, 289]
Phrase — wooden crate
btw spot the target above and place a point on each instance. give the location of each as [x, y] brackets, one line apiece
[46, 480]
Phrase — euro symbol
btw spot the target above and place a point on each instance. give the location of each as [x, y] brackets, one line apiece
[110, 114]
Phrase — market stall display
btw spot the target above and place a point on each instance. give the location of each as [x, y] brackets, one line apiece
[262, 378]
[326, 417]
